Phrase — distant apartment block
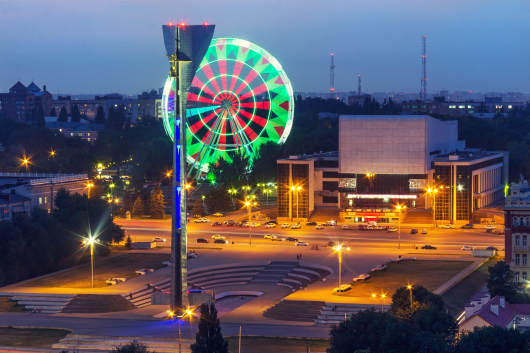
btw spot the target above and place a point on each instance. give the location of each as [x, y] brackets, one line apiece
[441, 107]
[21, 99]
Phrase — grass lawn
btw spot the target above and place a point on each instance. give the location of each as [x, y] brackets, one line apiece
[261, 344]
[119, 266]
[10, 306]
[458, 296]
[430, 274]
[30, 337]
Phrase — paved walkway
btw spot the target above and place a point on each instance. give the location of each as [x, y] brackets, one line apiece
[460, 276]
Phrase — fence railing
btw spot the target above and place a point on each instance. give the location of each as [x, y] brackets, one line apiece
[44, 178]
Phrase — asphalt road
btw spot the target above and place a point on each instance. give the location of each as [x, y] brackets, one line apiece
[446, 239]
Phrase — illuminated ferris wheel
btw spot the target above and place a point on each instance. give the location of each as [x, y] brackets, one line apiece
[240, 98]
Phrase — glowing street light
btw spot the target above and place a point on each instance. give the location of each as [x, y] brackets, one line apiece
[433, 191]
[399, 208]
[249, 205]
[297, 190]
[90, 241]
[409, 287]
[89, 186]
[189, 313]
[383, 296]
[339, 249]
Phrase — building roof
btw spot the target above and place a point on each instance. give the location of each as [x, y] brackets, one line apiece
[466, 156]
[33, 88]
[11, 198]
[18, 87]
[506, 314]
[306, 157]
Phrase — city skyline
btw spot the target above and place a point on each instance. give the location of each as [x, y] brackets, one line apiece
[114, 46]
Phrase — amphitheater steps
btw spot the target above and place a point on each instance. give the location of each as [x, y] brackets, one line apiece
[93, 303]
[295, 310]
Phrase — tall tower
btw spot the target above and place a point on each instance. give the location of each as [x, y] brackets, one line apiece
[331, 78]
[423, 91]
[359, 87]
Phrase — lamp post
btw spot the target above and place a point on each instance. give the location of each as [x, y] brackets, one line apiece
[89, 186]
[202, 197]
[297, 189]
[232, 192]
[90, 241]
[399, 208]
[245, 189]
[433, 191]
[383, 296]
[172, 314]
[409, 287]
[112, 189]
[249, 205]
[339, 249]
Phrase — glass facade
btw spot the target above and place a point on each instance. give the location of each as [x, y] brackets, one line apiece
[283, 189]
[300, 199]
[381, 183]
[464, 205]
[442, 177]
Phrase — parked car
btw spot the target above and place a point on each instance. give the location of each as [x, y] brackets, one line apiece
[159, 240]
[413, 231]
[331, 243]
[392, 229]
[492, 248]
[342, 288]
[467, 247]
[221, 241]
[230, 224]
[489, 226]
[447, 226]
[191, 255]
[344, 227]
[424, 231]
[499, 232]
[239, 224]
[330, 223]
[218, 236]
[275, 238]
[311, 224]
[217, 224]
[268, 236]
[198, 220]
[296, 226]
[428, 247]
[320, 226]
[255, 224]
[217, 214]
[468, 226]
[301, 243]
[270, 225]
[273, 222]
[291, 239]
[202, 240]
[285, 225]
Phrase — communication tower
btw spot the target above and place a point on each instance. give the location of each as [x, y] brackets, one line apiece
[331, 78]
[359, 87]
[423, 91]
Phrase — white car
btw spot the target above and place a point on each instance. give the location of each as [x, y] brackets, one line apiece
[344, 227]
[285, 225]
[362, 278]
[268, 236]
[489, 226]
[218, 236]
[320, 226]
[467, 247]
[424, 231]
[159, 240]
[206, 220]
[254, 225]
[296, 226]
[270, 225]
[392, 229]
[198, 220]
[342, 288]
[301, 243]
[447, 226]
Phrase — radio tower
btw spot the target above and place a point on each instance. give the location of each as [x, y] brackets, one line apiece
[331, 78]
[423, 91]
[359, 87]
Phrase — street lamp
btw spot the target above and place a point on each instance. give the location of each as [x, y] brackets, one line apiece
[399, 208]
[249, 205]
[409, 287]
[339, 249]
[89, 186]
[433, 191]
[297, 189]
[202, 197]
[383, 296]
[90, 241]
[232, 192]
[112, 189]
[172, 314]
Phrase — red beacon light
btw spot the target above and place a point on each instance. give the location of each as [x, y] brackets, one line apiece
[170, 24]
[206, 23]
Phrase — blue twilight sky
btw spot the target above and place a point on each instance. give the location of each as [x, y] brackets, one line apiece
[104, 46]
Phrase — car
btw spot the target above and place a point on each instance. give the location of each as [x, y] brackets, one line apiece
[285, 225]
[492, 248]
[218, 236]
[296, 226]
[499, 232]
[424, 231]
[413, 231]
[221, 241]
[468, 226]
[447, 226]
[273, 222]
[198, 220]
[362, 278]
[230, 224]
[330, 223]
[331, 243]
[301, 243]
[342, 288]
[270, 225]
[202, 240]
[275, 238]
[217, 224]
[268, 236]
[320, 226]
[344, 227]
[191, 255]
[392, 229]
[206, 220]
[467, 247]
[311, 224]
[217, 214]
[428, 247]
[291, 239]
[159, 240]
[239, 224]
[489, 226]
[254, 225]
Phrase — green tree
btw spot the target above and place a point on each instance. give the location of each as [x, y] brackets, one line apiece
[63, 115]
[264, 165]
[76, 114]
[138, 208]
[218, 200]
[421, 299]
[131, 347]
[488, 339]
[157, 203]
[53, 112]
[501, 281]
[128, 242]
[39, 116]
[232, 170]
[437, 322]
[198, 208]
[209, 339]
[100, 115]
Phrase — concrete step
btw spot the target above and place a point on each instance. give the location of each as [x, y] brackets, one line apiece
[108, 348]
[223, 284]
[38, 295]
[44, 308]
[318, 321]
[41, 299]
[42, 303]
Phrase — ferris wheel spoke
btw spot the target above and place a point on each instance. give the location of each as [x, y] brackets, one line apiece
[222, 71]
[256, 91]
[202, 86]
[247, 81]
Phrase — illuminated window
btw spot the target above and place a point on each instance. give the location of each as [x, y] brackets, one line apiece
[509, 107]
[498, 106]
[471, 111]
[469, 107]
[89, 134]
[60, 130]
[461, 106]
[40, 200]
[452, 106]
[414, 107]
[45, 200]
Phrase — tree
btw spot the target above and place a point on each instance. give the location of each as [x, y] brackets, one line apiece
[138, 208]
[421, 299]
[264, 165]
[63, 115]
[218, 200]
[76, 114]
[39, 117]
[157, 203]
[437, 322]
[100, 115]
[209, 339]
[53, 112]
[131, 347]
[488, 339]
[128, 242]
[198, 208]
[501, 281]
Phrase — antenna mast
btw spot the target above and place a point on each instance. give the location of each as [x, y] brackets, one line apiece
[331, 78]
[359, 87]
[423, 91]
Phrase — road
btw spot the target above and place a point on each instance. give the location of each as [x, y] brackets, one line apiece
[446, 239]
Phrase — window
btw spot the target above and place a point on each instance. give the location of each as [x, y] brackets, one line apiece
[40, 200]
[517, 259]
[461, 106]
[452, 106]
[516, 276]
[527, 223]
[330, 174]
[45, 200]
[515, 221]
[524, 259]
[517, 240]
[471, 111]
[330, 185]
[524, 240]
[509, 107]
[334, 200]
[524, 276]
[469, 107]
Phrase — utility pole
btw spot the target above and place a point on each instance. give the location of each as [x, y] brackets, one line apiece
[332, 78]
